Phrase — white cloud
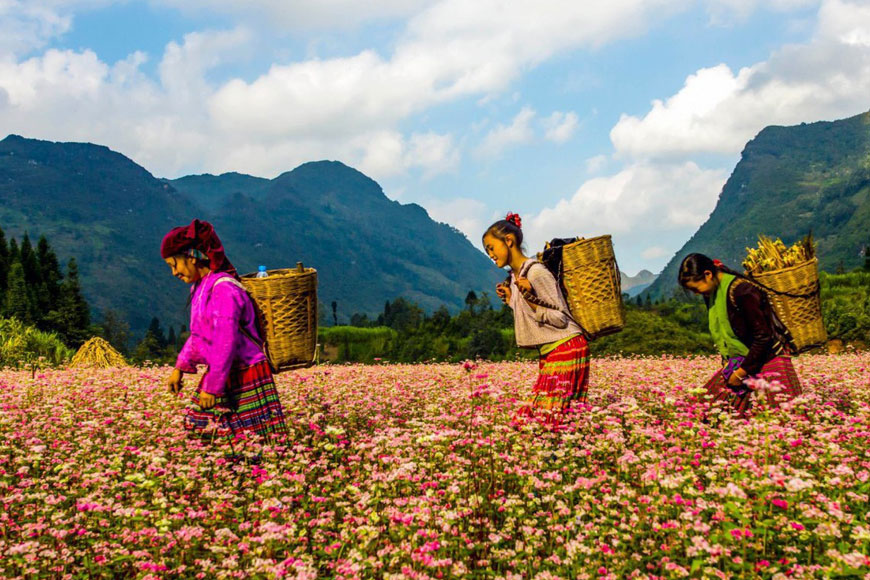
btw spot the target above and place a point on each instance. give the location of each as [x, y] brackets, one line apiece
[433, 153]
[504, 136]
[641, 206]
[348, 107]
[560, 127]
[848, 22]
[26, 25]
[388, 153]
[596, 164]
[654, 252]
[351, 107]
[301, 14]
[726, 12]
[183, 68]
[718, 111]
[470, 216]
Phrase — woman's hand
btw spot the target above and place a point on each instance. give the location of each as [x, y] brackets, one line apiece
[206, 400]
[524, 284]
[736, 378]
[504, 292]
[175, 381]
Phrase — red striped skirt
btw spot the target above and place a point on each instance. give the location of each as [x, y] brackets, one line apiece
[249, 406]
[778, 372]
[563, 377]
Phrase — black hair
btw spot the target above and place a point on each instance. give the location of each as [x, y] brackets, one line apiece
[693, 267]
[502, 228]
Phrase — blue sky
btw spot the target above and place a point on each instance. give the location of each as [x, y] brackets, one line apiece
[622, 117]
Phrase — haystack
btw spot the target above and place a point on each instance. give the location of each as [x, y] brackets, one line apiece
[98, 353]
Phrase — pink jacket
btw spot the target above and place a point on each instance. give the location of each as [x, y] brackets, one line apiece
[215, 338]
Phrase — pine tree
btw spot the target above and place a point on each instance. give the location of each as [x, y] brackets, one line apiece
[72, 319]
[157, 332]
[17, 303]
[471, 300]
[29, 263]
[49, 272]
[116, 330]
[171, 339]
[148, 348]
[14, 253]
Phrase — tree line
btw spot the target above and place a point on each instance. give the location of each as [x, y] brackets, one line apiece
[34, 290]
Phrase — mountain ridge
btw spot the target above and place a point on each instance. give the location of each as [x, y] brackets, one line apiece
[790, 181]
[110, 214]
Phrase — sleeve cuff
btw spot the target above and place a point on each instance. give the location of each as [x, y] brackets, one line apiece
[213, 387]
[185, 366]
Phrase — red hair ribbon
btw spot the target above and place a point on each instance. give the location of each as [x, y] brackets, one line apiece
[514, 218]
[717, 263]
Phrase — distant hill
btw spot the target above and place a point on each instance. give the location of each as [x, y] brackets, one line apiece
[211, 192]
[791, 180]
[634, 285]
[110, 213]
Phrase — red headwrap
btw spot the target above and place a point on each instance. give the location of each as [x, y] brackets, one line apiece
[514, 218]
[197, 236]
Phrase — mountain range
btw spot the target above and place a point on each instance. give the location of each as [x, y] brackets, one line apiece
[813, 177]
[634, 285]
[109, 213]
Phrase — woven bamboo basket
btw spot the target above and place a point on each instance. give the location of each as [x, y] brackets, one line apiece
[287, 300]
[591, 277]
[802, 316]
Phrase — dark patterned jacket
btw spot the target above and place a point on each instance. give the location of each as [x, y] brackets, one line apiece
[756, 325]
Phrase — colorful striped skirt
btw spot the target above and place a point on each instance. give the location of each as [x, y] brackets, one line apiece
[250, 406]
[563, 377]
[778, 372]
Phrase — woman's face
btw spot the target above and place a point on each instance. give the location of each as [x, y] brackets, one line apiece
[706, 285]
[184, 268]
[497, 250]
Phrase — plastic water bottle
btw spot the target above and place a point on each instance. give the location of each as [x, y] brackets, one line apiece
[261, 272]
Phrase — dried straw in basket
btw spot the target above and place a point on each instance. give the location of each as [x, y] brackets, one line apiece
[591, 277]
[802, 311]
[287, 300]
[97, 352]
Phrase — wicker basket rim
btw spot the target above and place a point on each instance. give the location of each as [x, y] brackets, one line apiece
[281, 272]
[587, 240]
[788, 269]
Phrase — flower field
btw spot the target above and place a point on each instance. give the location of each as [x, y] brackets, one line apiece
[416, 472]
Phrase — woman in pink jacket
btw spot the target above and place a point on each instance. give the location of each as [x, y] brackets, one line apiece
[237, 394]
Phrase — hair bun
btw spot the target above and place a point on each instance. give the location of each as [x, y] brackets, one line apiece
[514, 218]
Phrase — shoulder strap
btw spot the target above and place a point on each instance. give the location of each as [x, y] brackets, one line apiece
[260, 343]
[232, 281]
[731, 298]
[533, 299]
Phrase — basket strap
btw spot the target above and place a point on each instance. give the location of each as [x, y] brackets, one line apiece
[812, 294]
[261, 344]
[533, 299]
